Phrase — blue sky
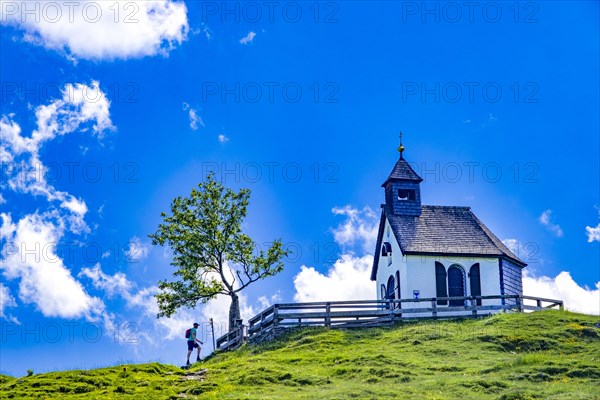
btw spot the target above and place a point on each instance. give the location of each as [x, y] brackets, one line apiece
[302, 104]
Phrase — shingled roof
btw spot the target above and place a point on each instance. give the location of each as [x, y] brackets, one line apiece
[403, 171]
[442, 230]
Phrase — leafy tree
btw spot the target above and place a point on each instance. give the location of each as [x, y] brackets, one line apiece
[210, 253]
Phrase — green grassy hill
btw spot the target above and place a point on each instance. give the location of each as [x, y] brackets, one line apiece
[544, 355]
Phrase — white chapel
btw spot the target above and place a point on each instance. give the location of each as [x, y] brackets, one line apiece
[427, 251]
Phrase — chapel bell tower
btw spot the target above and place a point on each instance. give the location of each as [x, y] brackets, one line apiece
[402, 188]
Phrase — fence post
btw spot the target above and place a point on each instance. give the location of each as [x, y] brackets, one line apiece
[391, 307]
[275, 316]
[539, 303]
[328, 314]
[474, 305]
[212, 328]
[519, 300]
[434, 306]
[239, 332]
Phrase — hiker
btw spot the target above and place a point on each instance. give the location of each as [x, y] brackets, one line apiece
[192, 342]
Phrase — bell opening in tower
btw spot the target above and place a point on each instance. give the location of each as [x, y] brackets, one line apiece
[406, 195]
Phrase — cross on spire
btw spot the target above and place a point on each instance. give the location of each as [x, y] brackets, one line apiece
[401, 148]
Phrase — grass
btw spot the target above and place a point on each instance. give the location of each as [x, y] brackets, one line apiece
[543, 355]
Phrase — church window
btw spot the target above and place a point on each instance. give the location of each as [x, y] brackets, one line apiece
[475, 281]
[391, 288]
[386, 250]
[440, 283]
[456, 284]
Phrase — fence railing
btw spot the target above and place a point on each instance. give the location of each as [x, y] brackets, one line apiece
[232, 339]
[370, 313]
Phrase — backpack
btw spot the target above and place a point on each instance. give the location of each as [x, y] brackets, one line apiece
[188, 333]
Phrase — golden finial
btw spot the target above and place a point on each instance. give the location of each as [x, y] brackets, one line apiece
[401, 148]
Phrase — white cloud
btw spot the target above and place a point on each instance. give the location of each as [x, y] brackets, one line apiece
[248, 38]
[349, 277]
[195, 119]
[111, 284]
[563, 287]
[207, 31]
[545, 219]
[171, 328]
[6, 301]
[8, 227]
[2, 199]
[136, 250]
[593, 234]
[223, 139]
[76, 206]
[360, 228]
[30, 255]
[11, 139]
[81, 108]
[266, 302]
[29, 250]
[167, 328]
[119, 285]
[100, 30]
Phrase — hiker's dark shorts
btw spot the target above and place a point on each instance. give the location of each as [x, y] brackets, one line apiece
[192, 345]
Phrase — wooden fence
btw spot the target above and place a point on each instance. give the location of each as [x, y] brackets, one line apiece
[232, 339]
[371, 313]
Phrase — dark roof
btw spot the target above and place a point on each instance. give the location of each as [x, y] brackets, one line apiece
[442, 230]
[403, 171]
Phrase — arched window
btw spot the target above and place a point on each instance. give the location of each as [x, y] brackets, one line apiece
[456, 284]
[386, 248]
[382, 291]
[440, 283]
[386, 251]
[391, 288]
[475, 282]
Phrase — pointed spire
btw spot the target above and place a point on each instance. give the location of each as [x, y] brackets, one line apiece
[402, 170]
[401, 148]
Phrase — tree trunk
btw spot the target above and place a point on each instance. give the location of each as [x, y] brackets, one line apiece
[234, 310]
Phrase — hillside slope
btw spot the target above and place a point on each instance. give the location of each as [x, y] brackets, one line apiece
[544, 355]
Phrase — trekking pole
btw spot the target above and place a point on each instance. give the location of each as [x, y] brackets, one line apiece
[212, 328]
